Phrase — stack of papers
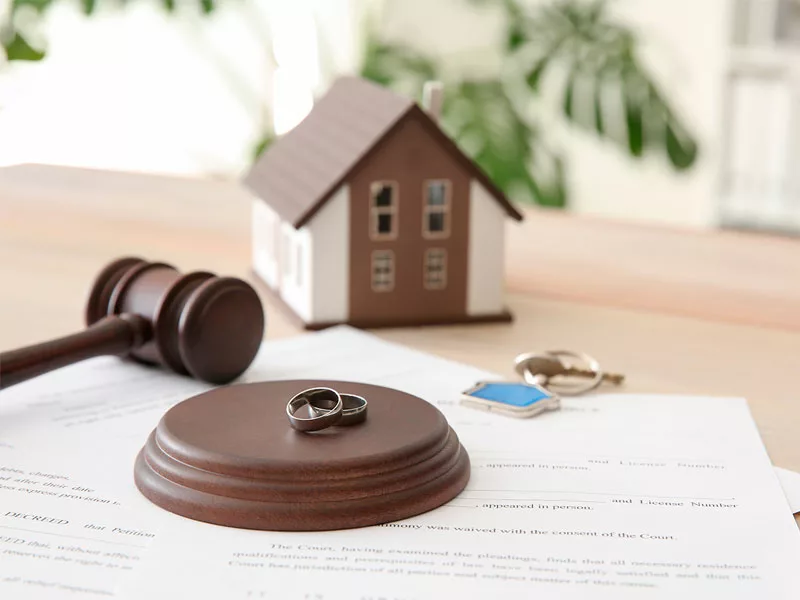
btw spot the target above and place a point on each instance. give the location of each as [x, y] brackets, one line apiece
[614, 496]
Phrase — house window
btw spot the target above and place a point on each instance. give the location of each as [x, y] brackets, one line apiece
[435, 271]
[436, 213]
[383, 271]
[383, 210]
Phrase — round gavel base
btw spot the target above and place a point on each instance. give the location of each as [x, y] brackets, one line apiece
[229, 457]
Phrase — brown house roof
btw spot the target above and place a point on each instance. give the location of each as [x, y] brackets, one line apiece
[301, 170]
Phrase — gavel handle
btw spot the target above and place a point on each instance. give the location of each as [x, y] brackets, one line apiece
[117, 334]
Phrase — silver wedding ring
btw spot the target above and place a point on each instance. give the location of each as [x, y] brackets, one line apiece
[324, 408]
[354, 410]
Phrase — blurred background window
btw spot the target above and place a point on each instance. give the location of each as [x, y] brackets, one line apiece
[761, 186]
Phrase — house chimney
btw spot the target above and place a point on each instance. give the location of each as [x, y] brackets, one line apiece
[432, 98]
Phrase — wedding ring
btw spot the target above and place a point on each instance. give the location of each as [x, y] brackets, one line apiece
[354, 410]
[325, 407]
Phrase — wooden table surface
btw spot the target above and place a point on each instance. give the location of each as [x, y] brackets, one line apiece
[600, 287]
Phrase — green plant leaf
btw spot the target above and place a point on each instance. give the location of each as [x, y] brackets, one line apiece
[18, 48]
[38, 5]
[169, 5]
[569, 93]
[554, 194]
[485, 123]
[88, 6]
[267, 139]
[681, 148]
[516, 32]
[207, 6]
[635, 125]
[570, 33]
[599, 120]
[534, 75]
[515, 38]
[396, 65]
[559, 191]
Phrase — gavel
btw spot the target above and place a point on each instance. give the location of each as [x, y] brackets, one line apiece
[196, 324]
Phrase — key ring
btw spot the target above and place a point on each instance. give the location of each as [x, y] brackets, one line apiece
[540, 368]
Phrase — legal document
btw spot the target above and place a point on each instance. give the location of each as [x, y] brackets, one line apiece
[60, 537]
[614, 496]
[790, 483]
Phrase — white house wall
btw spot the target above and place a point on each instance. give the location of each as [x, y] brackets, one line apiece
[330, 231]
[282, 257]
[265, 226]
[485, 276]
[295, 267]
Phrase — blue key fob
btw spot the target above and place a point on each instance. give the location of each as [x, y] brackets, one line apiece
[514, 399]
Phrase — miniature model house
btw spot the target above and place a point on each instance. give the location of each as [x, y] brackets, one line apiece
[367, 213]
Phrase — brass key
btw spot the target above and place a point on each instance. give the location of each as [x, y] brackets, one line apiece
[540, 368]
[571, 370]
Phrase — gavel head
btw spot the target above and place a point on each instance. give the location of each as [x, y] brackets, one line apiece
[205, 326]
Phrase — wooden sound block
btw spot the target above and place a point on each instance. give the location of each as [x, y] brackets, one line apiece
[230, 457]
